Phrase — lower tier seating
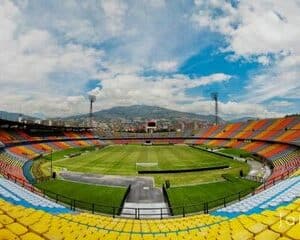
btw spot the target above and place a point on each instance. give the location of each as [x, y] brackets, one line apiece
[10, 165]
[16, 194]
[294, 156]
[27, 216]
[282, 193]
[284, 170]
[18, 222]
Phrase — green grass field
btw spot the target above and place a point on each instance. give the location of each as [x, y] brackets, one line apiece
[193, 197]
[61, 154]
[236, 152]
[187, 189]
[128, 159]
[85, 194]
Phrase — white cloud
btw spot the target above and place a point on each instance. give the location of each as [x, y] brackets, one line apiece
[30, 56]
[114, 11]
[276, 82]
[264, 60]
[43, 75]
[49, 51]
[236, 109]
[253, 30]
[167, 91]
[166, 66]
[281, 104]
[253, 27]
[228, 110]
[37, 73]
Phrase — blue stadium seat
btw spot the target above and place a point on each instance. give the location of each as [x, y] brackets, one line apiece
[16, 194]
[280, 194]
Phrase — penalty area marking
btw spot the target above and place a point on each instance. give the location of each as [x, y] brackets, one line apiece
[145, 164]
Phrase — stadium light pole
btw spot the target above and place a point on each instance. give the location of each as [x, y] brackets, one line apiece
[51, 159]
[214, 96]
[92, 99]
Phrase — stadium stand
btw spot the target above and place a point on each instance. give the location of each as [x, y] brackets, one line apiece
[18, 195]
[11, 165]
[255, 137]
[272, 213]
[284, 192]
[5, 136]
[290, 135]
[21, 145]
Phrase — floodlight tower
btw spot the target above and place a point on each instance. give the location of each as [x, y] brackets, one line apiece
[92, 99]
[214, 97]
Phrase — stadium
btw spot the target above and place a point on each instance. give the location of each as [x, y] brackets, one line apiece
[119, 205]
[149, 120]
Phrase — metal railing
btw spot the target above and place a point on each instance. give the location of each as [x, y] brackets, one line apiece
[138, 213]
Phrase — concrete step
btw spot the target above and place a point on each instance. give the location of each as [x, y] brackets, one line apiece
[145, 210]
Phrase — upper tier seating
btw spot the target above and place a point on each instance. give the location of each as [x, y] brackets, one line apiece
[291, 135]
[17, 135]
[14, 159]
[283, 129]
[5, 136]
[23, 151]
[278, 140]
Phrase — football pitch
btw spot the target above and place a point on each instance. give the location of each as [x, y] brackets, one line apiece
[127, 160]
[189, 189]
[104, 197]
[214, 194]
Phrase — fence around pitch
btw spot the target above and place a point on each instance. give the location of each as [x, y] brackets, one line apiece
[138, 213]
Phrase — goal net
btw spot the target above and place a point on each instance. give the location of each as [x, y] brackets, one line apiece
[146, 164]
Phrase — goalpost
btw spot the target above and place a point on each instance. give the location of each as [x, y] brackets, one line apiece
[145, 164]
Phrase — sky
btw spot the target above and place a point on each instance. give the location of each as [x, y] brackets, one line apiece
[167, 53]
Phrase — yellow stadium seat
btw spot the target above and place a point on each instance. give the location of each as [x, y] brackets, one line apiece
[17, 222]
[281, 227]
[267, 234]
[31, 236]
[17, 228]
[4, 219]
[7, 235]
[294, 232]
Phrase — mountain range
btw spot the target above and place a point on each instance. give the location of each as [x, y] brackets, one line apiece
[142, 113]
[126, 113]
[11, 116]
[243, 119]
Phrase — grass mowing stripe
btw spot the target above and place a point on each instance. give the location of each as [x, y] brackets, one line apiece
[179, 196]
[102, 195]
[236, 152]
[122, 159]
